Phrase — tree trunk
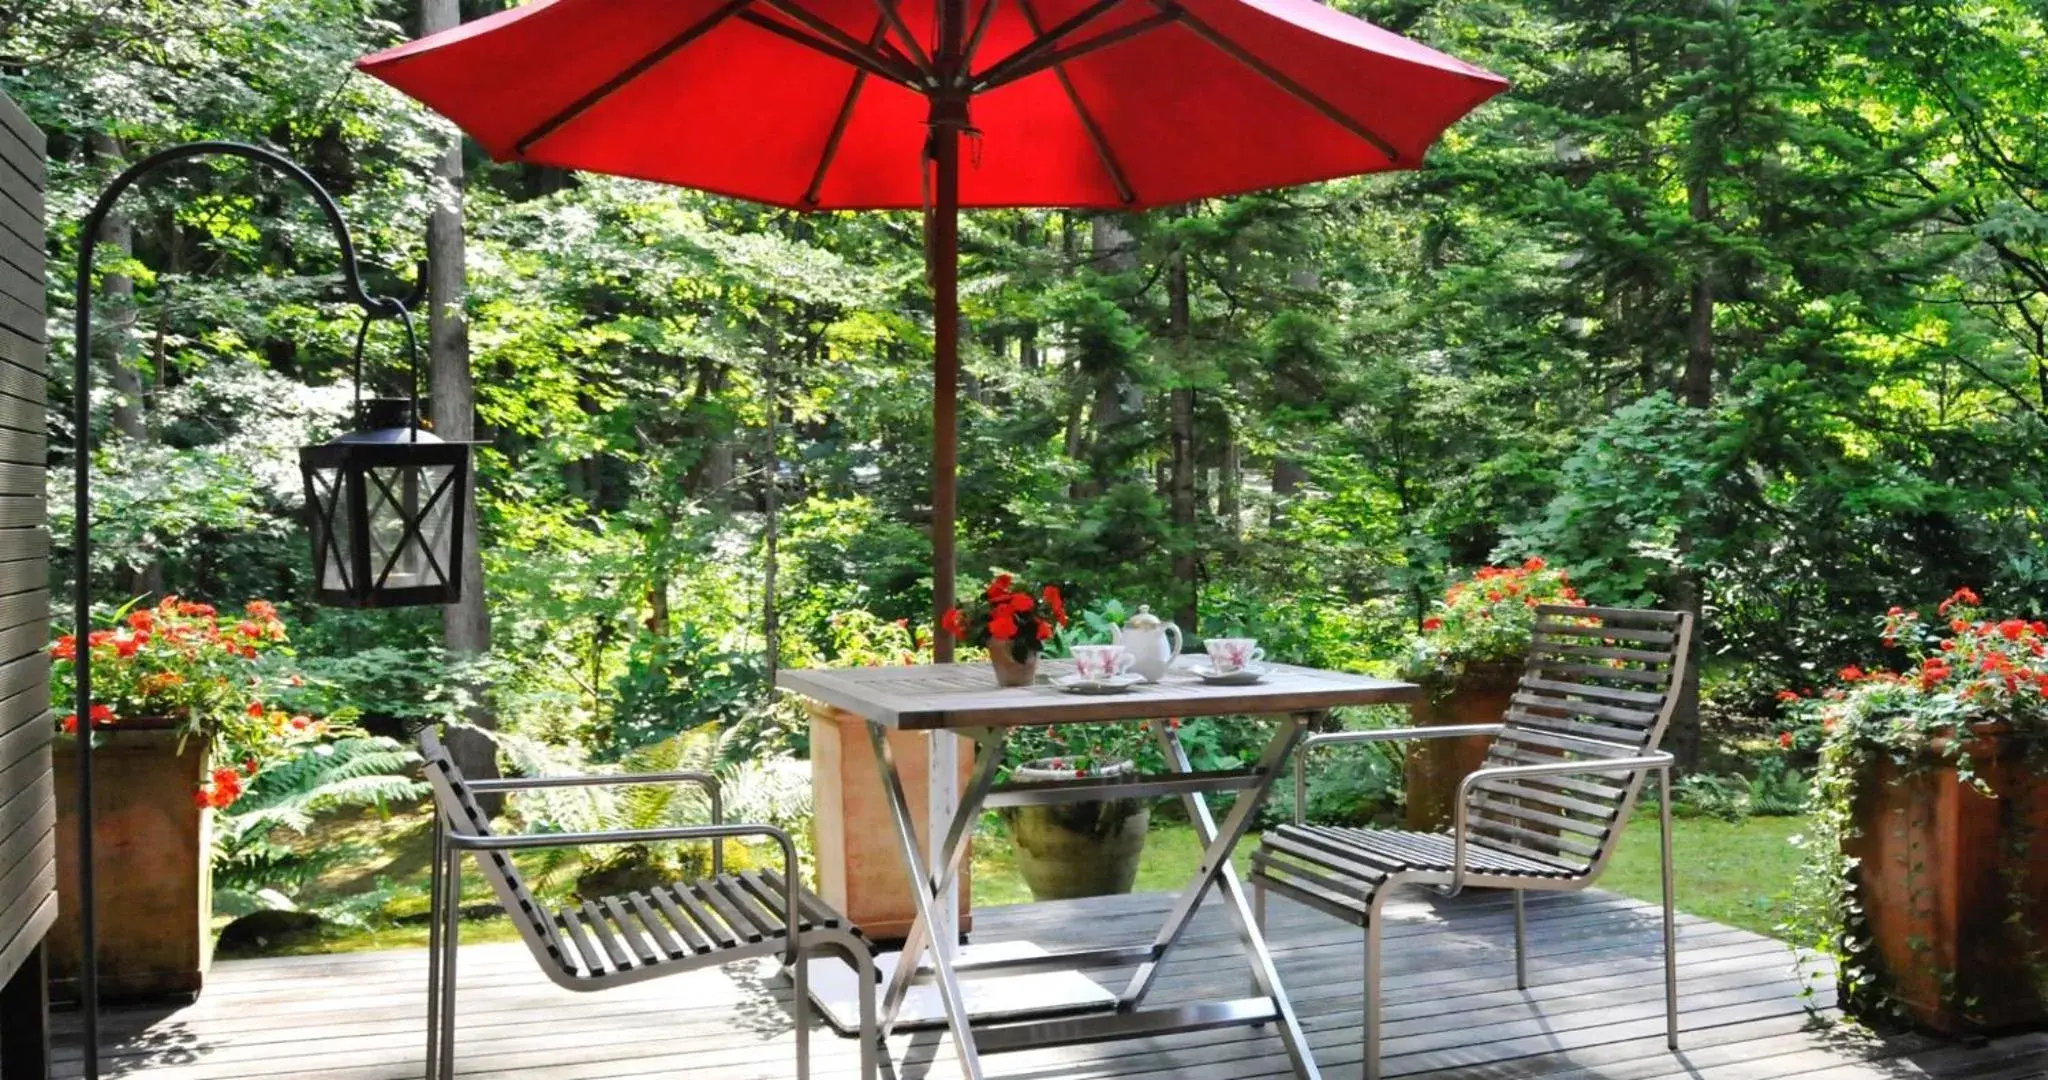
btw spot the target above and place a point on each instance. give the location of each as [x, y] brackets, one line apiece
[1698, 388]
[1181, 483]
[116, 345]
[1229, 478]
[771, 478]
[465, 624]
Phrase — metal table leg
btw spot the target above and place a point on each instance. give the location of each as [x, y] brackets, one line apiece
[1216, 869]
[957, 1019]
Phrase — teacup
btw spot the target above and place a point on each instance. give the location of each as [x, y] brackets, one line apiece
[1227, 655]
[1095, 663]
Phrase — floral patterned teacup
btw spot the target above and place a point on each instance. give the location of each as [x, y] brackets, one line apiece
[1227, 655]
[1096, 663]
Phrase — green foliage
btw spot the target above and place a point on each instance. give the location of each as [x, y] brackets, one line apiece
[262, 854]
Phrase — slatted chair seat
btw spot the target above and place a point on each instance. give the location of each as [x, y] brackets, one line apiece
[1568, 760]
[646, 933]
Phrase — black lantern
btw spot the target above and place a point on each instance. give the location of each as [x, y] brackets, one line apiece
[389, 502]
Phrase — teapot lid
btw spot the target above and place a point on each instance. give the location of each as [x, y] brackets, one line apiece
[1143, 620]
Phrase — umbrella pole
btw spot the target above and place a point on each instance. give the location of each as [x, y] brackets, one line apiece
[943, 249]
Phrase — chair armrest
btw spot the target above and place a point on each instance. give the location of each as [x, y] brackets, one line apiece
[1329, 738]
[705, 780]
[791, 913]
[1660, 760]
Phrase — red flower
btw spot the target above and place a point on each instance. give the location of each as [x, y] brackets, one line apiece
[1000, 587]
[1057, 603]
[1961, 596]
[1002, 626]
[66, 648]
[1432, 624]
[1788, 695]
[301, 722]
[1534, 564]
[1493, 596]
[1044, 630]
[1851, 673]
[70, 723]
[256, 709]
[1959, 625]
[1785, 740]
[953, 623]
[1020, 602]
[1895, 610]
[103, 714]
[261, 609]
[2012, 629]
[141, 618]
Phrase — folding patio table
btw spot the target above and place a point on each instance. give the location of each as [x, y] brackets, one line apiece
[964, 700]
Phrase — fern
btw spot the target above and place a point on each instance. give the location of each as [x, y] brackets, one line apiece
[257, 865]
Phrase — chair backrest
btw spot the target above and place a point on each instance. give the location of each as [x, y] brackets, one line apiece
[463, 816]
[1600, 683]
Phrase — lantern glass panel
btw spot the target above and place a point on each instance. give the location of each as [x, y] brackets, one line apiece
[410, 514]
[332, 527]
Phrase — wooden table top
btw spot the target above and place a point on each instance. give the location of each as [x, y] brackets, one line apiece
[937, 697]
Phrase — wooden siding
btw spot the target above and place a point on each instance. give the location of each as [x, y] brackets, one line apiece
[1594, 1009]
[28, 899]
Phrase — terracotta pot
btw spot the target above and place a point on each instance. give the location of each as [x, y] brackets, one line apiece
[860, 869]
[152, 849]
[1011, 671]
[1435, 767]
[1071, 850]
[1954, 890]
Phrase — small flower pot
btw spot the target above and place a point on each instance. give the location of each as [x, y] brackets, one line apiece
[1011, 671]
[1953, 888]
[1071, 850]
[1435, 767]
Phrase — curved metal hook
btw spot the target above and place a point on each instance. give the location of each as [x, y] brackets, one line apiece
[351, 270]
[373, 306]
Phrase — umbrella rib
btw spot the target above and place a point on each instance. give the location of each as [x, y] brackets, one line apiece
[910, 43]
[988, 12]
[1077, 50]
[1095, 136]
[1280, 79]
[841, 38]
[839, 122]
[859, 61]
[1046, 40]
[639, 67]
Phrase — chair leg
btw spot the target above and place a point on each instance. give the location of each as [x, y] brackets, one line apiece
[1521, 945]
[1670, 919]
[871, 1048]
[1258, 920]
[435, 899]
[801, 1009]
[1372, 999]
[451, 941]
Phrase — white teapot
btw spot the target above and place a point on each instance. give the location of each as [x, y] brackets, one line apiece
[1152, 643]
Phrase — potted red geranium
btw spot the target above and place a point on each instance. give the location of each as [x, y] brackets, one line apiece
[1008, 621]
[180, 723]
[1469, 656]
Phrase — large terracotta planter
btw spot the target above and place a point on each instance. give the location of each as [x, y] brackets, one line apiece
[1066, 851]
[1954, 889]
[1435, 767]
[152, 848]
[860, 869]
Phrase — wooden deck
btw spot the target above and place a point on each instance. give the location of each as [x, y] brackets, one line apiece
[1594, 1010]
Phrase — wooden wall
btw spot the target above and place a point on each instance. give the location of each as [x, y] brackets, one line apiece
[28, 876]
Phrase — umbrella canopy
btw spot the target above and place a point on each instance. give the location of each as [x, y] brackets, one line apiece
[865, 104]
[824, 104]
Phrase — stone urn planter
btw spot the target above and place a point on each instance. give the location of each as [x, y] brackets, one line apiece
[1953, 886]
[860, 869]
[1071, 850]
[1435, 767]
[152, 848]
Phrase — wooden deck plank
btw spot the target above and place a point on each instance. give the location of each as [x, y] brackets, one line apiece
[1593, 1011]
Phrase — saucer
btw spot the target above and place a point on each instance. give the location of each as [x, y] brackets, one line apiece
[1243, 676]
[1115, 684]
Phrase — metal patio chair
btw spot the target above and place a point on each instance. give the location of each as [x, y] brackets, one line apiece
[1579, 737]
[639, 935]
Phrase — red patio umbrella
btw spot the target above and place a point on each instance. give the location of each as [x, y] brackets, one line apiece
[864, 104]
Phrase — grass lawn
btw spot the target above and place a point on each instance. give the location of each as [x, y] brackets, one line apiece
[1736, 873]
